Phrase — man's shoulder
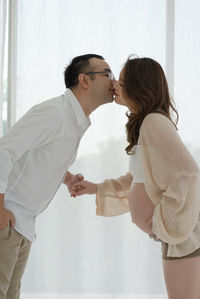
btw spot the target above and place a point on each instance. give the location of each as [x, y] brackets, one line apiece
[56, 108]
[55, 102]
[50, 109]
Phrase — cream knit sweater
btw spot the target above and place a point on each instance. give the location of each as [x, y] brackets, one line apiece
[172, 181]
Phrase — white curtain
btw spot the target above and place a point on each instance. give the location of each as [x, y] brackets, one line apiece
[77, 252]
[187, 72]
[3, 14]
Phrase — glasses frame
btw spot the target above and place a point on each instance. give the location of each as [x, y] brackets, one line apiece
[111, 75]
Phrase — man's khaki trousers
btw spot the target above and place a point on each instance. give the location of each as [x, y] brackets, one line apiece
[14, 252]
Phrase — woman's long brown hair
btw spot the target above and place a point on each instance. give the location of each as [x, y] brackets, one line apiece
[146, 91]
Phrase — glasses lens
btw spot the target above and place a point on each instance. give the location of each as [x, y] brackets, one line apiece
[111, 76]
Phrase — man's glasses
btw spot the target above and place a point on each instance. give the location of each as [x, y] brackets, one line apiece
[109, 73]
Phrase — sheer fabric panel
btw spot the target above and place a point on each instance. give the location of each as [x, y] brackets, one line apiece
[3, 15]
[77, 252]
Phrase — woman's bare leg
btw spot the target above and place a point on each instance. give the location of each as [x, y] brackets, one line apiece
[182, 278]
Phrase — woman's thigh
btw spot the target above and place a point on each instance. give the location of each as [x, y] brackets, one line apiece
[182, 278]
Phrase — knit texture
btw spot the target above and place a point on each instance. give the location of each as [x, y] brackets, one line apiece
[172, 182]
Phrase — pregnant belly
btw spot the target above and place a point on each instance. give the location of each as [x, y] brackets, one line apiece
[141, 207]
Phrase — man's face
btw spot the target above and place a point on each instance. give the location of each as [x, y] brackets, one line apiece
[101, 85]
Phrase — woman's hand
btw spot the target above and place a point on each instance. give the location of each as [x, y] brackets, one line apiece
[83, 187]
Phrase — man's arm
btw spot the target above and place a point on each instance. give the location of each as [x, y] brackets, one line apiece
[36, 128]
[5, 215]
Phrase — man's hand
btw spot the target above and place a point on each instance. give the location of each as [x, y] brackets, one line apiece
[72, 179]
[6, 217]
[84, 187]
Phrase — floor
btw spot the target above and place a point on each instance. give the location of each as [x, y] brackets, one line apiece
[89, 296]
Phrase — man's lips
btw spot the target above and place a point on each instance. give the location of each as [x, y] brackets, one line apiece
[114, 92]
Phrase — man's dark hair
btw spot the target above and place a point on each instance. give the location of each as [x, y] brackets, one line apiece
[78, 65]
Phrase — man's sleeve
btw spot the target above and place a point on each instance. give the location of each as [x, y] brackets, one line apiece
[36, 128]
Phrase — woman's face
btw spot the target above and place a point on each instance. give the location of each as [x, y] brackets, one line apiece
[119, 90]
[120, 95]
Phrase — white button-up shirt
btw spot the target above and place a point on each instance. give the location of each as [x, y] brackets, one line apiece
[35, 155]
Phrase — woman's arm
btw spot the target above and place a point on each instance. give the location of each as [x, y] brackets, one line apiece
[111, 195]
[171, 180]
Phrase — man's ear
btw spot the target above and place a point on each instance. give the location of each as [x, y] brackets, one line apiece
[83, 80]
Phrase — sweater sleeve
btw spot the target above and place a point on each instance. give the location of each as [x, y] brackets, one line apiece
[112, 196]
[171, 180]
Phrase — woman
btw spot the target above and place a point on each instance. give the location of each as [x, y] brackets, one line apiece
[163, 184]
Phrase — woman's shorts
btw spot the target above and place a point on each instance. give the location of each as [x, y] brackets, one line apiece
[165, 257]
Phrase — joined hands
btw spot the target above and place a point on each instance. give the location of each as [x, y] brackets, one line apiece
[78, 186]
[83, 187]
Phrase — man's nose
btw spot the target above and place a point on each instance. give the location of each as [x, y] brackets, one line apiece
[114, 81]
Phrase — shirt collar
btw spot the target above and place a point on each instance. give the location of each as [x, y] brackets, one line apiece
[82, 120]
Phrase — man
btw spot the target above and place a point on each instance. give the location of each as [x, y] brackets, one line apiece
[35, 156]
